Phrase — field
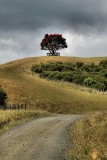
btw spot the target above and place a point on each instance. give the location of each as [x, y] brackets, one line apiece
[58, 97]
[88, 135]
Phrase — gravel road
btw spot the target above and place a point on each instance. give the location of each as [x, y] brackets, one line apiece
[41, 139]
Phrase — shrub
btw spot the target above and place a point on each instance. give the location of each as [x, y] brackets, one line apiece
[3, 97]
[79, 64]
[78, 79]
[103, 63]
[88, 81]
[100, 86]
[105, 74]
[86, 68]
[91, 75]
[37, 69]
[91, 68]
[68, 67]
[51, 74]
[68, 76]
[58, 76]
[44, 74]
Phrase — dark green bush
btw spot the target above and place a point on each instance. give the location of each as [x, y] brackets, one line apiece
[52, 74]
[55, 67]
[68, 67]
[37, 69]
[58, 76]
[103, 63]
[79, 64]
[44, 74]
[78, 78]
[3, 97]
[88, 81]
[100, 86]
[68, 76]
[105, 74]
[91, 75]
[91, 68]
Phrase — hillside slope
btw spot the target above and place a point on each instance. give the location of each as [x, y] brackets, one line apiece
[20, 85]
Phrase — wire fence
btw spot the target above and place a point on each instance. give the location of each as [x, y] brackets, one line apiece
[14, 107]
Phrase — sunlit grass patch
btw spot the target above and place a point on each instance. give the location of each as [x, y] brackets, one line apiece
[11, 118]
[89, 137]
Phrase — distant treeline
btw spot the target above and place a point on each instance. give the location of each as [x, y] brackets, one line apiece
[90, 75]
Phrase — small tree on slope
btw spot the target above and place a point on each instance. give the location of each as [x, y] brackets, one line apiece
[3, 97]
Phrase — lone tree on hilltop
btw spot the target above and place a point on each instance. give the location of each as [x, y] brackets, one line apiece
[53, 42]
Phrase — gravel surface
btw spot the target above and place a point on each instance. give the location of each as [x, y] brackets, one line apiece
[42, 139]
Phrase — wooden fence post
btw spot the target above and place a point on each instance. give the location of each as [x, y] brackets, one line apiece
[25, 105]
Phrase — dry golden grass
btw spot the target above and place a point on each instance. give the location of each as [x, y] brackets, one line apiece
[89, 137]
[21, 86]
[11, 118]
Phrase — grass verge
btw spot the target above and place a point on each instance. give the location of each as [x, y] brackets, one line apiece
[89, 137]
[11, 118]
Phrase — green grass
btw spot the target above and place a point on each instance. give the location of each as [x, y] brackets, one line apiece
[89, 137]
[57, 97]
[11, 118]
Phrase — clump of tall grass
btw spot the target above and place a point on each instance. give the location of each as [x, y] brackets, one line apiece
[11, 118]
[89, 137]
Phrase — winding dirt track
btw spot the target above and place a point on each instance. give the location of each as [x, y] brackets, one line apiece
[42, 139]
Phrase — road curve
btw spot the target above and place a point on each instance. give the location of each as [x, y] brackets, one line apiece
[41, 139]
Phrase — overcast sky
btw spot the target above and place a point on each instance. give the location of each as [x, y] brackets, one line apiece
[23, 24]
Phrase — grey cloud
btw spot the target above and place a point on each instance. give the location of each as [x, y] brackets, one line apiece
[23, 24]
[17, 44]
[34, 14]
[87, 46]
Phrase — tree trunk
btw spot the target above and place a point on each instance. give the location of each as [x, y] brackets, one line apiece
[52, 51]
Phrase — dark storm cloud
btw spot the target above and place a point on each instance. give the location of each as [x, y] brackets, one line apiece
[35, 14]
[23, 24]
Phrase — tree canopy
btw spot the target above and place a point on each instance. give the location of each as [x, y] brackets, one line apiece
[53, 42]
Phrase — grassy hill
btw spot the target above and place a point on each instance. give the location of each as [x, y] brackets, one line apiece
[20, 85]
